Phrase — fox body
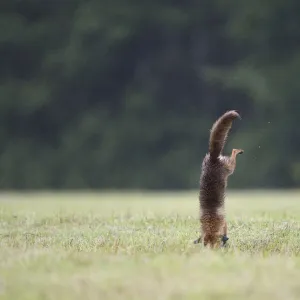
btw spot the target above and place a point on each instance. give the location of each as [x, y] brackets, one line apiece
[216, 168]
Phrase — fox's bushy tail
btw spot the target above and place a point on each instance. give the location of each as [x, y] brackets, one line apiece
[219, 133]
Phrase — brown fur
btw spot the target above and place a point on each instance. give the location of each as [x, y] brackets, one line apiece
[216, 169]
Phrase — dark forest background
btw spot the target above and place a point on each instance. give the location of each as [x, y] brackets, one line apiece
[122, 93]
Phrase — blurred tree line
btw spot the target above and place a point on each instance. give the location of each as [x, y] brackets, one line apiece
[122, 94]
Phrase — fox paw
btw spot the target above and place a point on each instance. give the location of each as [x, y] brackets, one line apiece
[224, 239]
[197, 241]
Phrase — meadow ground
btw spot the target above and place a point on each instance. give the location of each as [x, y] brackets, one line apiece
[139, 246]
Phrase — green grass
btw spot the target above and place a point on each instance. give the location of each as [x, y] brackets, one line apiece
[139, 246]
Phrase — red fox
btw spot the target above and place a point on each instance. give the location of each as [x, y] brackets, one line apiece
[216, 169]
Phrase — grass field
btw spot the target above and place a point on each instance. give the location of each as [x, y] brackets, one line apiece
[139, 246]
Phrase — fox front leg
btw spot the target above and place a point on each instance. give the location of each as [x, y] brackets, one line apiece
[198, 240]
